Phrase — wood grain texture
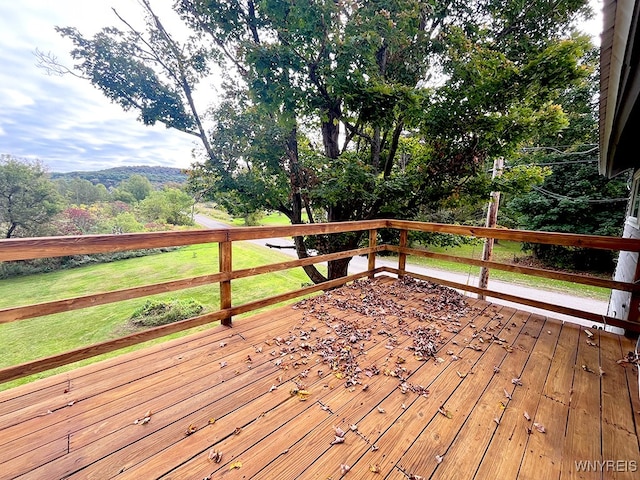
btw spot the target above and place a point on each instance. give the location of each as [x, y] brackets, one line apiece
[81, 424]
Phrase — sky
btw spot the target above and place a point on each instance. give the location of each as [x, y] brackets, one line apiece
[65, 122]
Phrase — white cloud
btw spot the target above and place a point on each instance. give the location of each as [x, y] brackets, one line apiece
[64, 121]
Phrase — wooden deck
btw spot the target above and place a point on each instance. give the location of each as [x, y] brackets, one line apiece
[395, 380]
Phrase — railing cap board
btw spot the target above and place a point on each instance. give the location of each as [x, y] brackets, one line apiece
[43, 247]
[531, 236]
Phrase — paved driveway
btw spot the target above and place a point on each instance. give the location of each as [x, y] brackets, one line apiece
[359, 264]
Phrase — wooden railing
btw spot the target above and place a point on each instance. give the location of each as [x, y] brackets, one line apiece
[32, 248]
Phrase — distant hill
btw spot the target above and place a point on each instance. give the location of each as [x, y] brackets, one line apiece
[111, 177]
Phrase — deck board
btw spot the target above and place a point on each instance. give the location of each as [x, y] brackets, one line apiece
[234, 385]
[513, 436]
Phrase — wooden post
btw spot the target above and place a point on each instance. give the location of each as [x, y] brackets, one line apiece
[373, 242]
[492, 220]
[402, 258]
[224, 261]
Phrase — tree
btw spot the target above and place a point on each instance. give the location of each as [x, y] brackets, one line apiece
[79, 191]
[348, 110]
[167, 206]
[126, 222]
[574, 198]
[137, 185]
[28, 198]
[76, 221]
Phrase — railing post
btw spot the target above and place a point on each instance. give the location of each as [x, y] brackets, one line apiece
[492, 220]
[373, 242]
[402, 258]
[224, 261]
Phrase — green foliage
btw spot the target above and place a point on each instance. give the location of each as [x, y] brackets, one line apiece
[170, 205]
[158, 312]
[117, 66]
[112, 177]
[120, 195]
[253, 219]
[348, 111]
[28, 198]
[79, 191]
[137, 185]
[43, 265]
[574, 197]
[126, 222]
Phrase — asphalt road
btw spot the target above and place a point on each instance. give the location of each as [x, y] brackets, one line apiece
[359, 264]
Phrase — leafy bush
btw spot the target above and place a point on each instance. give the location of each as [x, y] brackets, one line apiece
[42, 265]
[156, 312]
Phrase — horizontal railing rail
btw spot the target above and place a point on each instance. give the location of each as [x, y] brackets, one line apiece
[34, 248]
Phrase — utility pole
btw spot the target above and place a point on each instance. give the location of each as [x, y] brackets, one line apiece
[492, 220]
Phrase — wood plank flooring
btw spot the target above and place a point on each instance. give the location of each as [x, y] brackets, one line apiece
[378, 379]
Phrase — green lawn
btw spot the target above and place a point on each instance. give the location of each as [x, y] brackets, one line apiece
[504, 251]
[39, 337]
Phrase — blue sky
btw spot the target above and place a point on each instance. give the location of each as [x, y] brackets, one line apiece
[64, 121]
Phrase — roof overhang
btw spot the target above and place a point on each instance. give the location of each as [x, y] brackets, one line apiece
[619, 88]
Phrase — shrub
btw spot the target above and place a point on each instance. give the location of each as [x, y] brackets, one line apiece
[42, 265]
[158, 312]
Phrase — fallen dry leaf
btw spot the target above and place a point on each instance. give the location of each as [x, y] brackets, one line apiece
[539, 427]
[445, 412]
[215, 456]
[142, 421]
[374, 468]
[191, 429]
[234, 465]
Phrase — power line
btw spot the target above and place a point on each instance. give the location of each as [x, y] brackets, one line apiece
[569, 162]
[558, 147]
[558, 196]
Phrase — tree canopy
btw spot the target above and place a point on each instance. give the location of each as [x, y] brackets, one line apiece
[28, 198]
[347, 110]
[574, 197]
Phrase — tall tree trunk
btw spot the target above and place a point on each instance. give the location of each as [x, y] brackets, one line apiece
[331, 130]
[338, 268]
